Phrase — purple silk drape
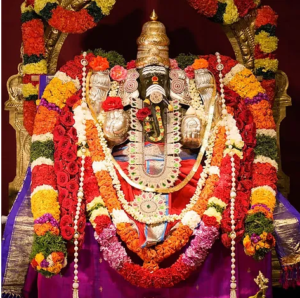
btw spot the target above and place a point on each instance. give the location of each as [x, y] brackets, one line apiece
[97, 279]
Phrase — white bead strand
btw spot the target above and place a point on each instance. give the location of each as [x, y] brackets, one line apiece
[220, 67]
[84, 63]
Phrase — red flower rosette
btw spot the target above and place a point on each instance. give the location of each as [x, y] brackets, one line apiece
[72, 168]
[264, 174]
[143, 113]
[67, 119]
[58, 133]
[72, 100]
[72, 133]
[67, 232]
[64, 144]
[43, 174]
[112, 103]
[62, 178]
[101, 222]
[73, 186]
[69, 156]
[58, 165]
[63, 193]
[210, 221]
[81, 223]
[131, 64]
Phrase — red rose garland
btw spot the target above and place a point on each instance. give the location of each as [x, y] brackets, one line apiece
[66, 168]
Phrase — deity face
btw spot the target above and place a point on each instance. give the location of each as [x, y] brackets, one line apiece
[154, 88]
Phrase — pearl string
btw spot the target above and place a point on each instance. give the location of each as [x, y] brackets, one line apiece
[84, 63]
[220, 67]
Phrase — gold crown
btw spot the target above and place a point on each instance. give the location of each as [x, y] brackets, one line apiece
[153, 44]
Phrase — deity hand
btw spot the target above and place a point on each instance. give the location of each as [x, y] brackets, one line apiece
[191, 132]
[115, 126]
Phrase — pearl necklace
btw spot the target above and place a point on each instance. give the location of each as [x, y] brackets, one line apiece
[84, 63]
[220, 67]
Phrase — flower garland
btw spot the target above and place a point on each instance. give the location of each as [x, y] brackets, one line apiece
[225, 12]
[48, 252]
[243, 82]
[265, 44]
[67, 168]
[34, 63]
[73, 21]
[220, 193]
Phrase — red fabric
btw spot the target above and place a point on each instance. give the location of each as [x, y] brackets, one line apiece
[177, 200]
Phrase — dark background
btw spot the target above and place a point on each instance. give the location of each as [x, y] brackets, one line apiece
[188, 33]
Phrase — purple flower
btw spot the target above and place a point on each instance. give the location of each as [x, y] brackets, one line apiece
[44, 263]
[47, 218]
[259, 97]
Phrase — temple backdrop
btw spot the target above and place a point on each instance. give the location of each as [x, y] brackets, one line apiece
[188, 32]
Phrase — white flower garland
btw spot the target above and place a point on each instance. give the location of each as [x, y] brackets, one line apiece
[267, 132]
[42, 138]
[234, 70]
[265, 187]
[42, 187]
[40, 161]
[264, 159]
[196, 101]
[66, 79]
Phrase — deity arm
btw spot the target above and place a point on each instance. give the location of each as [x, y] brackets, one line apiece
[115, 122]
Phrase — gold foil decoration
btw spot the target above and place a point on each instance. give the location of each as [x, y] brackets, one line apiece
[153, 44]
[262, 283]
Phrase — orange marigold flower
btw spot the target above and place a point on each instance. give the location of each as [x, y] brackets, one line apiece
[99, 63]
[200, 63]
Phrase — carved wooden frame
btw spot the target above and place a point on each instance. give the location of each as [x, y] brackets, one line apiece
[241, 36]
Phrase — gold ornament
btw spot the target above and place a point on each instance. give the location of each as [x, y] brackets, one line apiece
[153, 44]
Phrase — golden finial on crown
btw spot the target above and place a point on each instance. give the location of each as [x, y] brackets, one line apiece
[153, 44]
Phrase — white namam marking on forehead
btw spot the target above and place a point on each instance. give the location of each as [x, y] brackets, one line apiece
[154, 69]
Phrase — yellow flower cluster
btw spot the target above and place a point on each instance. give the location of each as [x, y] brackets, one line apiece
[36, 68]
[105, 5]
[25, 8]
[40, 4]
[29, 89]
[245, 84]
[266, 64]
[264, 196]
[57, 92]
[267, 43]
[45, 201]
[231, 14]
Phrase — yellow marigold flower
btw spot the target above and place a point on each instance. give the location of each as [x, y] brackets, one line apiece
[36, 68]
[105, 5]
[39, 258]
[25, 8]
[267, 64]
[263, 196]
[263, 236]
[58, 92]
[245, 84]
[231, 14]
[267, 43]
[40, 4]
[45, 201]
[29, 89]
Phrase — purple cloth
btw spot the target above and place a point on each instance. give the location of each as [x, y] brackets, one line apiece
[97, 279]
[7, 235]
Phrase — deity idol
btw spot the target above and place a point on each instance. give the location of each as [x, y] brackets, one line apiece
[157, 158]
